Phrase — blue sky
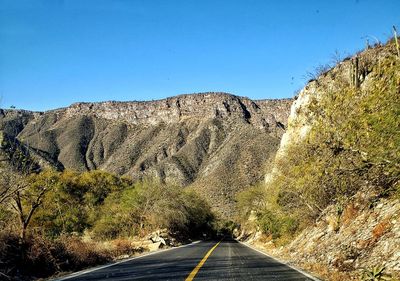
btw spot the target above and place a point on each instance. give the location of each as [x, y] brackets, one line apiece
[56, 52]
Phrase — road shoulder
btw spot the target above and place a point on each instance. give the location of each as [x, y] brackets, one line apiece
[92, 269]
[308, 275]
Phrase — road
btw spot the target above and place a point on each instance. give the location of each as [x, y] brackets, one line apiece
[229, 260]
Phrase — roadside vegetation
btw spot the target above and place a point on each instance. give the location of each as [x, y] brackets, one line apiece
[55, 222]
[353, 143]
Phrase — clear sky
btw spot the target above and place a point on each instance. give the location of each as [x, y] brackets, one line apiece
[56, 52]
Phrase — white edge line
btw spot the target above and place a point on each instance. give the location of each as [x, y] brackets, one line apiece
[85, 271]
[292, 267]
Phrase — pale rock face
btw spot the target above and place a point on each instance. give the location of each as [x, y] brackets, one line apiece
[261, 113]
[298, 125]
[298, 121]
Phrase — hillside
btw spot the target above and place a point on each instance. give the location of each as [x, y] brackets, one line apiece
[215, 142]
[332, 189]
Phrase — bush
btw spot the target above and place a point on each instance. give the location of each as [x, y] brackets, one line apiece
[269, 224]
[250, 199]
[64, 205]
[149, 205]
[276, 225]
[9, 253]
[123, 246]
[40, 257]
[75, 200]
[79, 254]
[353, 141]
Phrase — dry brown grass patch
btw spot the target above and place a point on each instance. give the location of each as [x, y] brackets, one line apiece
[325, 273]
[349, 213]
[124, 247]
[381, 228]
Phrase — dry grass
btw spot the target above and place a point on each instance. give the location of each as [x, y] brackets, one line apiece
[83, 254]
[381, 228]
[326, 273]
[333, 222]
[123, 246]
[349, 213]
[364, 243]
[39, 257]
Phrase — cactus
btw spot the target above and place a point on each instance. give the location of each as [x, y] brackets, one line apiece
[354, 73]
[396, 40]
[375, 274]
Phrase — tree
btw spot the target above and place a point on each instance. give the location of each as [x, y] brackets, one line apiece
[64, 209]
[250, 199]
[10, 183]
[29, 197]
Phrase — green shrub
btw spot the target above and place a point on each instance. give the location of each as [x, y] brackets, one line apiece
[149, 205]
[354, 141]
[289, 225]
[250, 199]
[375, 274]
[269, 224]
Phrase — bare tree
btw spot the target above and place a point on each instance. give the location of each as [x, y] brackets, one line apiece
[336, 58]
[10, 183]
[29, 197]
[317, 72]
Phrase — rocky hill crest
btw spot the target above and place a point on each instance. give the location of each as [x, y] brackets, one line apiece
[260, 113]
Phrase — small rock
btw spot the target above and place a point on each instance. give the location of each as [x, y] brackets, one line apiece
[155, 246]
[122, 257]
[319, 235]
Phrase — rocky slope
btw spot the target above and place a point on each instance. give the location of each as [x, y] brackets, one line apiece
[363, 231]
[365, 236]
[215, 142]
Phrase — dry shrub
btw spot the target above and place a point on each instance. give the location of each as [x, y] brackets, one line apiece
[333, 222]
[124, 247]
[32, 258]
[364, 243]
[381, 228]
[83, 254]
[265, 238]
[349, 213]
[326, 273]
[39, 257]
[9, 253]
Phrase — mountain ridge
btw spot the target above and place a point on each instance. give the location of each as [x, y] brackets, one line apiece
[216, 143]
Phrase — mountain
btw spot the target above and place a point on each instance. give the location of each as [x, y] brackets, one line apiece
[215, 143]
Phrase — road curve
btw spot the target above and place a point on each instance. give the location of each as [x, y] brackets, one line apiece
[230, 260]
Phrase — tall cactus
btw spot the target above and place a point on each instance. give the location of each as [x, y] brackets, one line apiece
[355, 73]
[396, 40]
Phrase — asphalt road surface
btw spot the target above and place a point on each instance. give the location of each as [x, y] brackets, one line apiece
[230, 260]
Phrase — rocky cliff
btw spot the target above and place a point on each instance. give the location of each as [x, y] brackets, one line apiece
[216, 143]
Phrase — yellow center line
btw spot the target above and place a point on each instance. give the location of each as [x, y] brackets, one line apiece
[201, 263]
